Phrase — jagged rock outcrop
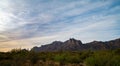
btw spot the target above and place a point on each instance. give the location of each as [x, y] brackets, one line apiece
[76, 45]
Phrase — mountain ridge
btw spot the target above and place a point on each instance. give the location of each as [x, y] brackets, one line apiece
[77, 45]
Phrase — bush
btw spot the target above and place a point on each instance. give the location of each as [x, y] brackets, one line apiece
[115, 61]
[6, 63]
[60, 58]
[103, 58]
[18, 57]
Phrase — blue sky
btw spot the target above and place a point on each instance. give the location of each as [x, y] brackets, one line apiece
[28, 23]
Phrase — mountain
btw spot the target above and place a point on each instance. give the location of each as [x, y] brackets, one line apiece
[76, 45]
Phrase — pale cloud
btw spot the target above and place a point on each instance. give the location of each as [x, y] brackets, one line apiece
[4, 38]
[82, 9]
[26, 43]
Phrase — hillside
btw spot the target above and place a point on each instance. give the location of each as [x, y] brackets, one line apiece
[77, 45]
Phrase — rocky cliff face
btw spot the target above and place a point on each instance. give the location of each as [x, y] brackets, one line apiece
[76, 45]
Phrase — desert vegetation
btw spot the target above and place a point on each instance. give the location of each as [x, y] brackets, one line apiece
[23, 57]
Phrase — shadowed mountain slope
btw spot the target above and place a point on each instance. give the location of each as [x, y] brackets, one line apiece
[76, 45]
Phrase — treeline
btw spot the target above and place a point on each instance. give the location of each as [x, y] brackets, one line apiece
[23, 57]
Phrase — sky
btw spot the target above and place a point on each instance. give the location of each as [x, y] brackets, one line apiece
[29, 23]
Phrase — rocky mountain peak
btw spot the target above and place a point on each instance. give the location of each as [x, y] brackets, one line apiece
[56, 42]
[73, 41]
[76, 45]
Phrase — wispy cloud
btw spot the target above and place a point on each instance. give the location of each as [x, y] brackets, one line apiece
[29, 22]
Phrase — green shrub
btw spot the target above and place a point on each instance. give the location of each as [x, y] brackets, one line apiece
[60, 58]
[103, 58]
[21, 57]
[6, 63]
[73, 59]
[115, 61]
